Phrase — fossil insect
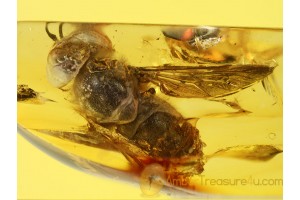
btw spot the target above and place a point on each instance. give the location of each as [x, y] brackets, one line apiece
[128, 118]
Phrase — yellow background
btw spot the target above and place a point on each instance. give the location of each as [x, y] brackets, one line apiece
[40, 176]
[245, 13]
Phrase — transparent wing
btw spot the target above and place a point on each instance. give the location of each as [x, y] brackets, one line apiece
[203, 81]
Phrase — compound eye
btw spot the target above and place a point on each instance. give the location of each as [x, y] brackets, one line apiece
[65, 61]
[71, 53]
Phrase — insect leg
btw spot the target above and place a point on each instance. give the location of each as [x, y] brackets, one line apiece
[232, 104]
[52, 36]
[249, 152]
[60, 30]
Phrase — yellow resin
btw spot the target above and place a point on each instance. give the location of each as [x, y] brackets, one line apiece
[219, 125]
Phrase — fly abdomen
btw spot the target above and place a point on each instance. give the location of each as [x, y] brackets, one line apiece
[161, 131]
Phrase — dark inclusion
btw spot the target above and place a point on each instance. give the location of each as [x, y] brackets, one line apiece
[25, 93]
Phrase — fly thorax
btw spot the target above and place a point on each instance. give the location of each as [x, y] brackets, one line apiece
[106, 92]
